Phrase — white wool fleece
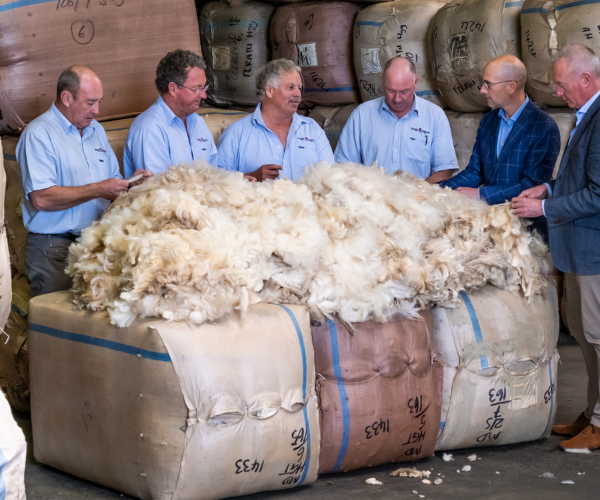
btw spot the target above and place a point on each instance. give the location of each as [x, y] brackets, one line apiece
[197, 243]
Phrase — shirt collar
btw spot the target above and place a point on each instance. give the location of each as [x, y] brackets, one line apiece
[67, 126]
[167, 111]
[413, 109]
[258, 118]
[516, 114]
[584, 109]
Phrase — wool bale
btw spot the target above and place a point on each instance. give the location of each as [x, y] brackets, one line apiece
[235, 44]
[500, 358]
[391, 29]
[163, 411]
[464, 128]
[379, 392]
[121, 41]
[565, 119]
[318, 37]
[332, 120]
[13, 452]
[466, 35]
[14, 353]
[546, 27]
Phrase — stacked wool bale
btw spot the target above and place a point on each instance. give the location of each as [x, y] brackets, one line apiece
[500, 359]
[197, 243]
[235, 44]
[318, 37]
[40, 39]
[161, 410]
[546, 28]
[379, 392]
[466, 35]
[464, 132]
[391, 29]
[332, 120]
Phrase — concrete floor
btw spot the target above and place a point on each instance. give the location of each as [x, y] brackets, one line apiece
[503, 472]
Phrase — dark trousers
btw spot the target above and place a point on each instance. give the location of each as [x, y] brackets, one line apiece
[47, 256]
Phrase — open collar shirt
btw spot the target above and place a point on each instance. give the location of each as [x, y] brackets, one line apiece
[158, 139]
[52, 152]
[248, 144]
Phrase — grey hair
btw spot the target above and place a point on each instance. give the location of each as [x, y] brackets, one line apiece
[411, 65]
[69, 80]
[581, 59]
[270, 74]
[174, 67]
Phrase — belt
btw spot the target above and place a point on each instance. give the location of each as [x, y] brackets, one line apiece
[67, 236]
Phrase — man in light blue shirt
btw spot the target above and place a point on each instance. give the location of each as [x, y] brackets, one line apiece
[70, 175]
[170, 132]
[400, 131]
[274, 140]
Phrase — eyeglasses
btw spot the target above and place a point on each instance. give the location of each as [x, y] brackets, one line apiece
[195, 90]
[489, 85]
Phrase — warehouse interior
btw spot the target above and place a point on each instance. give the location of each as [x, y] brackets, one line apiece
[341, 328]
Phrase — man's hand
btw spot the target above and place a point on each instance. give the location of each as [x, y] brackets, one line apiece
[249, 178]
[269, 171]
[472, 193]
[537, 193]
[110, 188]
[527, 207]
[146, 175]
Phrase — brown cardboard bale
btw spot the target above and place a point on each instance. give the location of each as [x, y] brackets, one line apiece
[546, 27]
[332, 120]
[14, 353]
[379, 393]
[391, 29]
[466, 35]
[464, 128]
[166, 411]
[318, 37]
[235, 44]
[500, 359]
[122, 41]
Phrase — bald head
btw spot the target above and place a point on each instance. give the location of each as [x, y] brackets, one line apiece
[399, 82]
[70, 80]
[399, 65]
[509, 68]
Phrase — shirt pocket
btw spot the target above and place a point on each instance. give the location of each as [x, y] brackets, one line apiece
[418, 148]
[307, 150]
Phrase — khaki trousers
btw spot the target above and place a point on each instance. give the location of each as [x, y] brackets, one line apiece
[583, 316]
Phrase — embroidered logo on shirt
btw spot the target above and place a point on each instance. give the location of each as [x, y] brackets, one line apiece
[202, 139]
[306, 139]
[421, 130]
[100, 150]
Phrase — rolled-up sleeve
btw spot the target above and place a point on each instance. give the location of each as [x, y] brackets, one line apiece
[348, 147]
[146, 149]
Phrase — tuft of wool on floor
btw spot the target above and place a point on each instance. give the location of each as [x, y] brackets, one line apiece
[197, 243]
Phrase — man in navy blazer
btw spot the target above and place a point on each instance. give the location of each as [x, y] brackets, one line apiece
[517, 144]
[571, 204]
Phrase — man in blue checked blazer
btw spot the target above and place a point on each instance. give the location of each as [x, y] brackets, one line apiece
[572, 205]
[517, 144]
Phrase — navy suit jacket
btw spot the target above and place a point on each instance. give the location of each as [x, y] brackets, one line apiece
[573, 211]
[526, 160]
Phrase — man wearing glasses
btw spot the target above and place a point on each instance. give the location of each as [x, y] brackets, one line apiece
[517, 144]
[170, 132]
[400, 130]
[274, 140]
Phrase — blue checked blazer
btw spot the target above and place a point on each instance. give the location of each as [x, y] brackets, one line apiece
[526, 160]
[573, 210]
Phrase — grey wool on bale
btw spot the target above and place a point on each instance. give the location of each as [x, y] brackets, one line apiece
[197, 243]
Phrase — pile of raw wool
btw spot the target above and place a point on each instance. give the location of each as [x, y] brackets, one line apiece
[197, 243]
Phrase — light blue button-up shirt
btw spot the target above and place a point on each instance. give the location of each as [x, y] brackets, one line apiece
[248, 144]
[506, 125]
[157, 139]
[51, 152]
[420, 142]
